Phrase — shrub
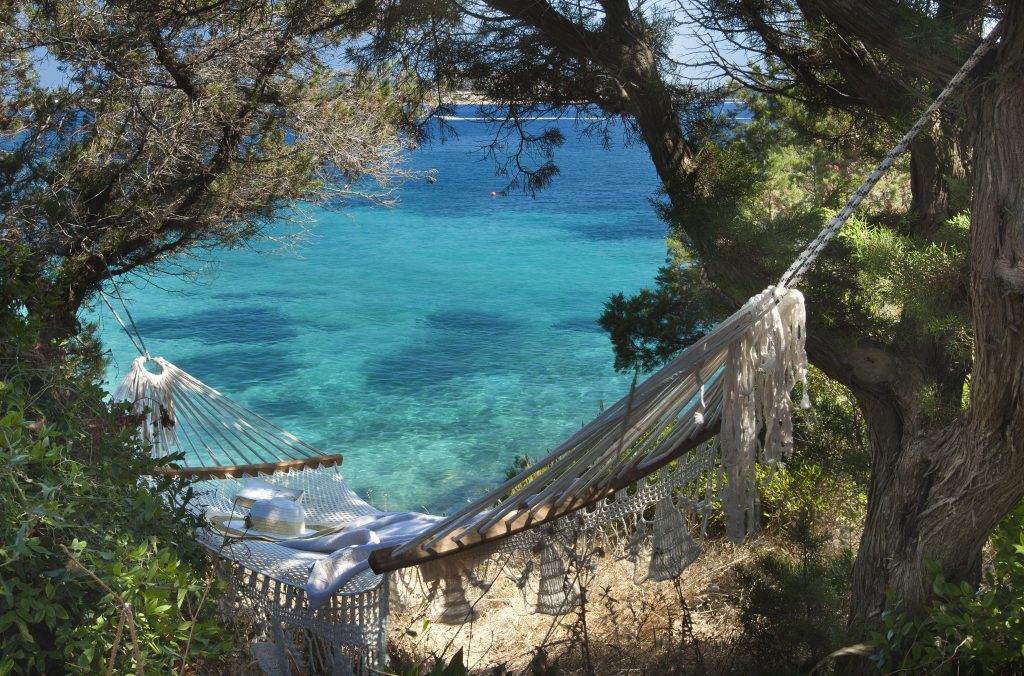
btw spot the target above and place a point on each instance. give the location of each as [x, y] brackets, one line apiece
[79, 526]
[965, 630]
[56, 617]
[794, 609]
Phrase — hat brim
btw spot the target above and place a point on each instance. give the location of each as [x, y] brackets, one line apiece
[240, 526]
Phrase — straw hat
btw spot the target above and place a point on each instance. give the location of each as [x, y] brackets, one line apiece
[277, 517]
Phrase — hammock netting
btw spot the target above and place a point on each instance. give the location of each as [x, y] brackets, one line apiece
[637, 482]
[267, 581]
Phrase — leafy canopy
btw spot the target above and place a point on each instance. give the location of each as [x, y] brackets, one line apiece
[182, 126]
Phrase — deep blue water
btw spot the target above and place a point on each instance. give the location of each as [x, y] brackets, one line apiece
[432, 342]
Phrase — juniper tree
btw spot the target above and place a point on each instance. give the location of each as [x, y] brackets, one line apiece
[949, 259]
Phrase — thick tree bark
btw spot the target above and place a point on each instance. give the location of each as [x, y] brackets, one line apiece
[938, 493]
[936, 162]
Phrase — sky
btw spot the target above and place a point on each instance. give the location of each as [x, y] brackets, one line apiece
[687, 49]
[49, 74]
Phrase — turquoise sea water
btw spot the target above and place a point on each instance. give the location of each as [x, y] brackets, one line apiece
[432, 342]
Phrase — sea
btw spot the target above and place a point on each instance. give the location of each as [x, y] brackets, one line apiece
[431, 342]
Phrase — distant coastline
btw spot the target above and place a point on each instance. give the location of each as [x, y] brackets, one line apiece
[467, 98]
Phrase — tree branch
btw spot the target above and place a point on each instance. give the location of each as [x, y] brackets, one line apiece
[581, 42]
[910, 39]
[182, 78]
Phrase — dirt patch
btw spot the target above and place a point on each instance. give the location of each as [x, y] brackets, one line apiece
[626, 628]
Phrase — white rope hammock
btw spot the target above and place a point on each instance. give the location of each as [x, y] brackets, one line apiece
[217, 436]
[655, 424]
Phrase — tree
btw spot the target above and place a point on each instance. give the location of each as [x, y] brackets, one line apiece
[179, 127]
[942, 475]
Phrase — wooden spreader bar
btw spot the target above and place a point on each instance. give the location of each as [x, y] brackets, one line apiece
[381, 560]
[236, 471]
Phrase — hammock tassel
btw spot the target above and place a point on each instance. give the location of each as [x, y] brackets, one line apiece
[673, 549]
[635, 546]
[765, 364]
[552, 598]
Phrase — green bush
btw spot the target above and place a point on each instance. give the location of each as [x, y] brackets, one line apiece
[54, 616]
[794, 608]
[795, 601]
[79, 526]
[965, 630]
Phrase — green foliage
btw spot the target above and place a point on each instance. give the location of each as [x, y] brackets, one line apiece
[762, 190]
[183, 126]
[519, 463]
[54, 617]
[455, 667]
[835, 501]
[648, 328]
[832, 436]
[826, 479]
[71, 486]
[794, 611]
[901, 278]
[964, 630]
[799, 165]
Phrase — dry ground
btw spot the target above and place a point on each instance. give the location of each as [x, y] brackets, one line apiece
[629, 628]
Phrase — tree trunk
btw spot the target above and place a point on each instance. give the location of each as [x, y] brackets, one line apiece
[935, 492]
[938, 493]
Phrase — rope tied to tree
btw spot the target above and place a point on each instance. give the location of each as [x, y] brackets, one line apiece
[810, 254]
[134, 335]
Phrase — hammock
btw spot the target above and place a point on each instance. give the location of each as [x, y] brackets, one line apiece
[671, 413]
[180, 414]
[223, 442]
[691, 433]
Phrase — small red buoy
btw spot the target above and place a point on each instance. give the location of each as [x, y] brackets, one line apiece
[493, 194]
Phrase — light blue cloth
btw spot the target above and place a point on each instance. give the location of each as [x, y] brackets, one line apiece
[351, 548]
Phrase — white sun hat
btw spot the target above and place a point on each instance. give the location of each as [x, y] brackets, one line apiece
[276, 518]
[257, 489]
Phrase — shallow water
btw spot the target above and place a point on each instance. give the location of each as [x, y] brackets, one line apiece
[433, 342]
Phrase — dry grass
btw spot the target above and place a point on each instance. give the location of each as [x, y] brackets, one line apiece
[692, 627]
[629, 628]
